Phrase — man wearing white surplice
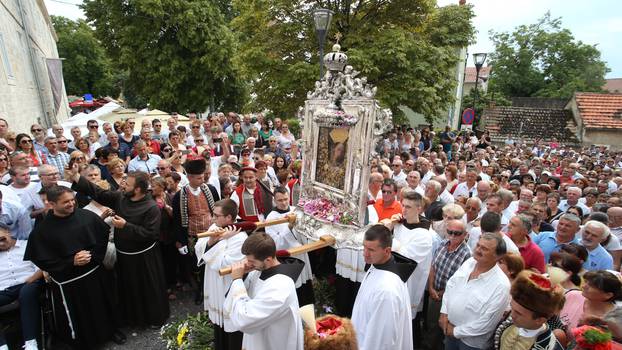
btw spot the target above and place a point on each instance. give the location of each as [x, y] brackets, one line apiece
[413, 239]
[264, 305]
[381, 316]
[285, 238]
[216, 253]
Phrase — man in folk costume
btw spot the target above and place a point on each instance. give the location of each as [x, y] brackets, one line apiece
[535, 299]
[413, 239]
[381, 316]
[285, 238]
[193, 206]
[216, 253]
[70, 244]
[253, 199]
[140, 271]
[294, 185]
[264, 305]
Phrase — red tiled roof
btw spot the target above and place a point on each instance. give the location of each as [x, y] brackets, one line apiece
[600, 110]
[470, 74]
[613, 85]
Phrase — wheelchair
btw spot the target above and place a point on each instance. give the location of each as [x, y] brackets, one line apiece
[10, 322]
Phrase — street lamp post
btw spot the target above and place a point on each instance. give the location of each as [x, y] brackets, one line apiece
[322, 18]
[478, 59]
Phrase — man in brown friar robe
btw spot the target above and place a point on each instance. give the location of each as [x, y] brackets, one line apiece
[193, 206]
[143, 300]
[253, 199]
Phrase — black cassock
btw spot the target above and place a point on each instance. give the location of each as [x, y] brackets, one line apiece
[140, 272]
[87, 291]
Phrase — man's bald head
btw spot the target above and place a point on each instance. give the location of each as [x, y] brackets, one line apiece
[615, 216]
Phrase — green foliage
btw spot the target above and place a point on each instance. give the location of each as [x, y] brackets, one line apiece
[193, 333]
[177, 53]
[325, 294]
[86, 68]
[408, 48]
[545, 60]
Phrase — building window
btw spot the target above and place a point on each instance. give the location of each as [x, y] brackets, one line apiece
[5, 60]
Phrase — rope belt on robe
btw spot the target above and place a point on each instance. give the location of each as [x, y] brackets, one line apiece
[136, 253]
[62, 294]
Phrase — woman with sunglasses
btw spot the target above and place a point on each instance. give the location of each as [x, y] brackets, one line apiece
[4, 164]
[23, 143]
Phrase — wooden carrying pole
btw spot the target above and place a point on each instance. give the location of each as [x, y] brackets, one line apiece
[249, 226]
[324, 241]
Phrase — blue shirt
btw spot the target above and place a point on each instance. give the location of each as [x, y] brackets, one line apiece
[547, 241]
[148, 166]
[598, 259]
[17, 219]
[124, 150]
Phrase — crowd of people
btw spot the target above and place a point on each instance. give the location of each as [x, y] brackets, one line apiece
[471, 245]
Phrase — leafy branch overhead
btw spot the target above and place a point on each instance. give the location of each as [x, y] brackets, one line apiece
[178, 53]
[408, 48]
[544, 60]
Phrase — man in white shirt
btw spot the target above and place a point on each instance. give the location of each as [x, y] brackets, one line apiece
[25, 190]
[381, 316]
[144, 161]
[490, 223]
[424, 170]
[264, 305]
[413, 180]
[468, 188]
[476, 297]
[19, 280]
[398, 175]
[573, 194]
[413, 239]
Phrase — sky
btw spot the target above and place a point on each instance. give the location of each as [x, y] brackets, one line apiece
[594, 22]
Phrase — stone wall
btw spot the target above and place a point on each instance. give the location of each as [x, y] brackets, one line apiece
[23, 50]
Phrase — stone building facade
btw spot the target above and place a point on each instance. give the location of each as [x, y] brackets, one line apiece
[27, 39]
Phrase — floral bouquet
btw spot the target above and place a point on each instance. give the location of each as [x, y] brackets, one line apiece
[193, 333]
[591, 338]
[336, 119]
[326, 210]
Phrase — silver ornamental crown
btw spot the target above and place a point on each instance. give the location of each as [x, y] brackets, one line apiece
[336, 60]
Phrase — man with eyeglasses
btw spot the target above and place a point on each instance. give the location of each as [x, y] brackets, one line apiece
[55, 157]
[153, 147]
[63, 145]
[387, 206]
[398, 175]
[195, 133]
[452, 254]
[103, 137]
[157, 134]
[38, 135]
[473, 208]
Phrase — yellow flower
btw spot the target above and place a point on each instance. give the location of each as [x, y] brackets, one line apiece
[181, 335]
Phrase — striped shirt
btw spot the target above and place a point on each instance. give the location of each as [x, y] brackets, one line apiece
[60, 161]
[447, 263]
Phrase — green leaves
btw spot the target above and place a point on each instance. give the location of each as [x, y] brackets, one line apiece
[86, 68]
[544, 59]
[178, 53]
[408, 48]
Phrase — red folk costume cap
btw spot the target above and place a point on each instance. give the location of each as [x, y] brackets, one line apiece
[248, 168]
[537, 293]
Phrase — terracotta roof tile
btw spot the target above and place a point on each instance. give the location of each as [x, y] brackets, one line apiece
[470, 74]
[600, 110]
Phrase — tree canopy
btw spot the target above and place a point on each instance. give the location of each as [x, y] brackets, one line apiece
[178, 53]
[408, 48]
[86, 68]
[544, 60]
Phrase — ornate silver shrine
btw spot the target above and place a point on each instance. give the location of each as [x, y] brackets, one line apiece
[341, 124]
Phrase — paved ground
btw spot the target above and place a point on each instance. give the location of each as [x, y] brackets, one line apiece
[150, 339]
